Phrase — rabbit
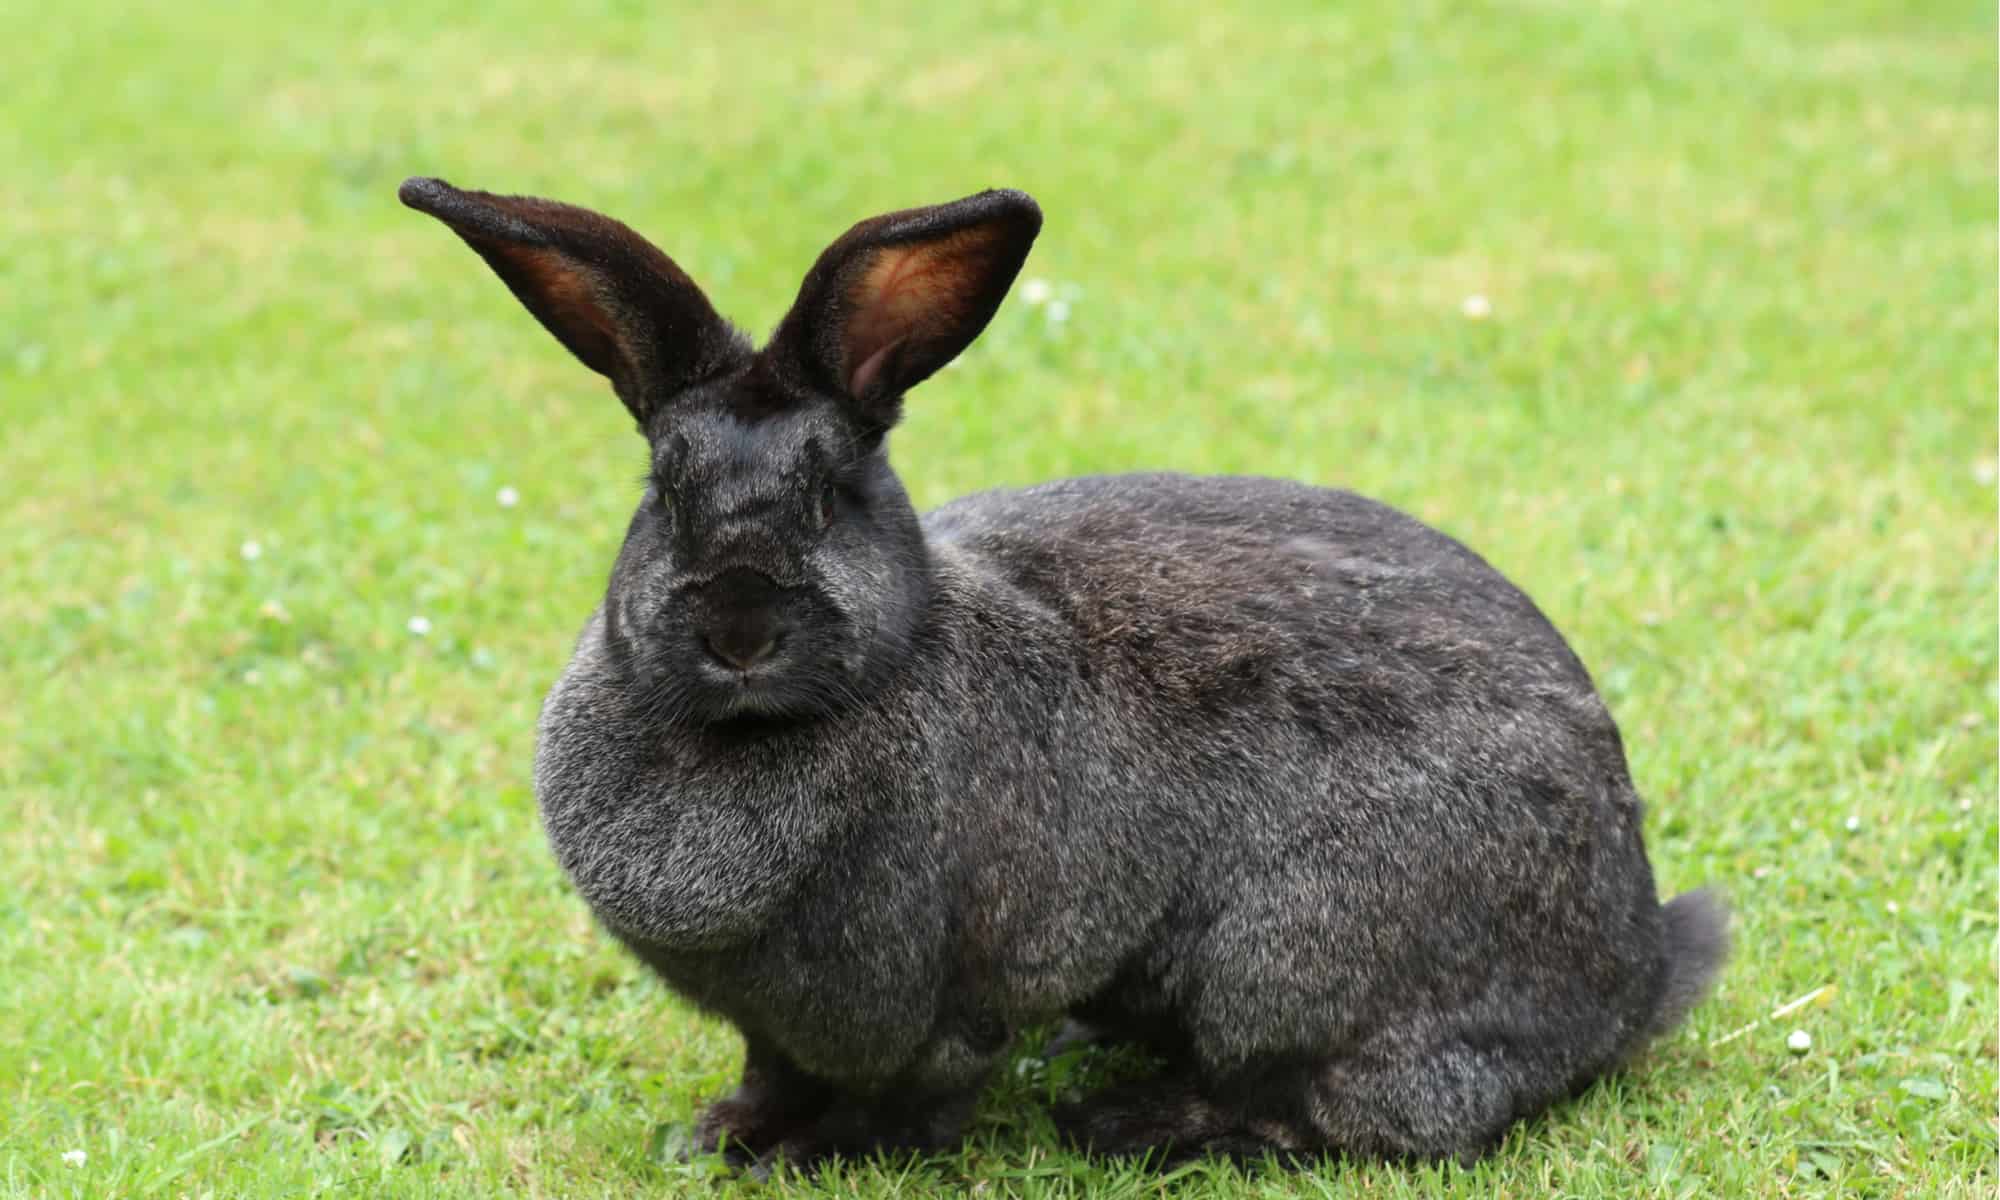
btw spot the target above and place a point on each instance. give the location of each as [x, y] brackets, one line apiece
[1288, 787]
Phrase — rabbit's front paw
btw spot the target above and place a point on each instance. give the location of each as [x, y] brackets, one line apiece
[774, 1099]
[742, 1128]
[922, 1125]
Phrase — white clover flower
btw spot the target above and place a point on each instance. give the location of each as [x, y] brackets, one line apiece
[1799, 1042]
[1476, 307]
[419, 625]
[507, 497]
[1036, 291]
[75, 1158]
[1058, 311]
[1853, 824]
[251, 551]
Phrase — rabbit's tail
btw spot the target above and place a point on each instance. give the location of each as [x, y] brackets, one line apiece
[1695, 941]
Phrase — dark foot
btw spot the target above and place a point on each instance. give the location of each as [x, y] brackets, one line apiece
[742, 1131]
[921, 1125]
[1174, 1119]
[774, 1100]
[1165, 1121]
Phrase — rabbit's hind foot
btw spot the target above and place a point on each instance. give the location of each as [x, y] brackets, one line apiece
[1453, 1102]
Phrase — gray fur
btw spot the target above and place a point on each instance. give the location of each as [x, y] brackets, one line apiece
[1272, 777]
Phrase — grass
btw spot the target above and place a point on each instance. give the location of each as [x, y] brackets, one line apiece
[275, 914]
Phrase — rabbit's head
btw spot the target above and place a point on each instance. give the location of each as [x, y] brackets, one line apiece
[774, 569]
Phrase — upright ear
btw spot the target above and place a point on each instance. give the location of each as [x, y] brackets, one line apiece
[899, 296]
[608, 294]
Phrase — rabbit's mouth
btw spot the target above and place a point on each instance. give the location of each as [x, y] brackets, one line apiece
[745, 689]
[775, 687]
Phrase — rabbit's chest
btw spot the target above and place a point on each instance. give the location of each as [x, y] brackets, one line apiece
[849, 991]
[683, 876]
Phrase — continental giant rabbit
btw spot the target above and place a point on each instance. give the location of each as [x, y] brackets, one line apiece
[1278, 781]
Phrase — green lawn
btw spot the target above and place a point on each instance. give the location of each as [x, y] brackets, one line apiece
[276, 918]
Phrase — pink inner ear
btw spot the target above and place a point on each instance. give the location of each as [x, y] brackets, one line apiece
[566, 298]
[864, 375]
[910, 297]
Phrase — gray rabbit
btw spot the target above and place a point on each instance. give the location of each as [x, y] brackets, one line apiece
[1298, 792]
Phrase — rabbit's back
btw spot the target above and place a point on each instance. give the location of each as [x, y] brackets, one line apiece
[1196, 584]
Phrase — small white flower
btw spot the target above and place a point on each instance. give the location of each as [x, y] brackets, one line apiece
[1799, 1042]
[419, 625]
[1894, 908]
[251, 551]
[1986, 471]
[1853, 824]
[1476, 307]
[1036, 291]
[1965, 805]
[1058, 311]
[507, 497]
[75, 1158]
[1760, 872]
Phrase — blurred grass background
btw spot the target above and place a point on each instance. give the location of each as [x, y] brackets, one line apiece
[1683, 315]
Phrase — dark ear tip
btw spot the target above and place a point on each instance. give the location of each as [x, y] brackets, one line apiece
[426, 195]
[1018, 205]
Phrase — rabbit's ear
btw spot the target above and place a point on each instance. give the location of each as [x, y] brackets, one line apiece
[899, 296]
[609, 295]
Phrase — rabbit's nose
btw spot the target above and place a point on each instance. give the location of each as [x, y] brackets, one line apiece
[745, 624]
[743, 645]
